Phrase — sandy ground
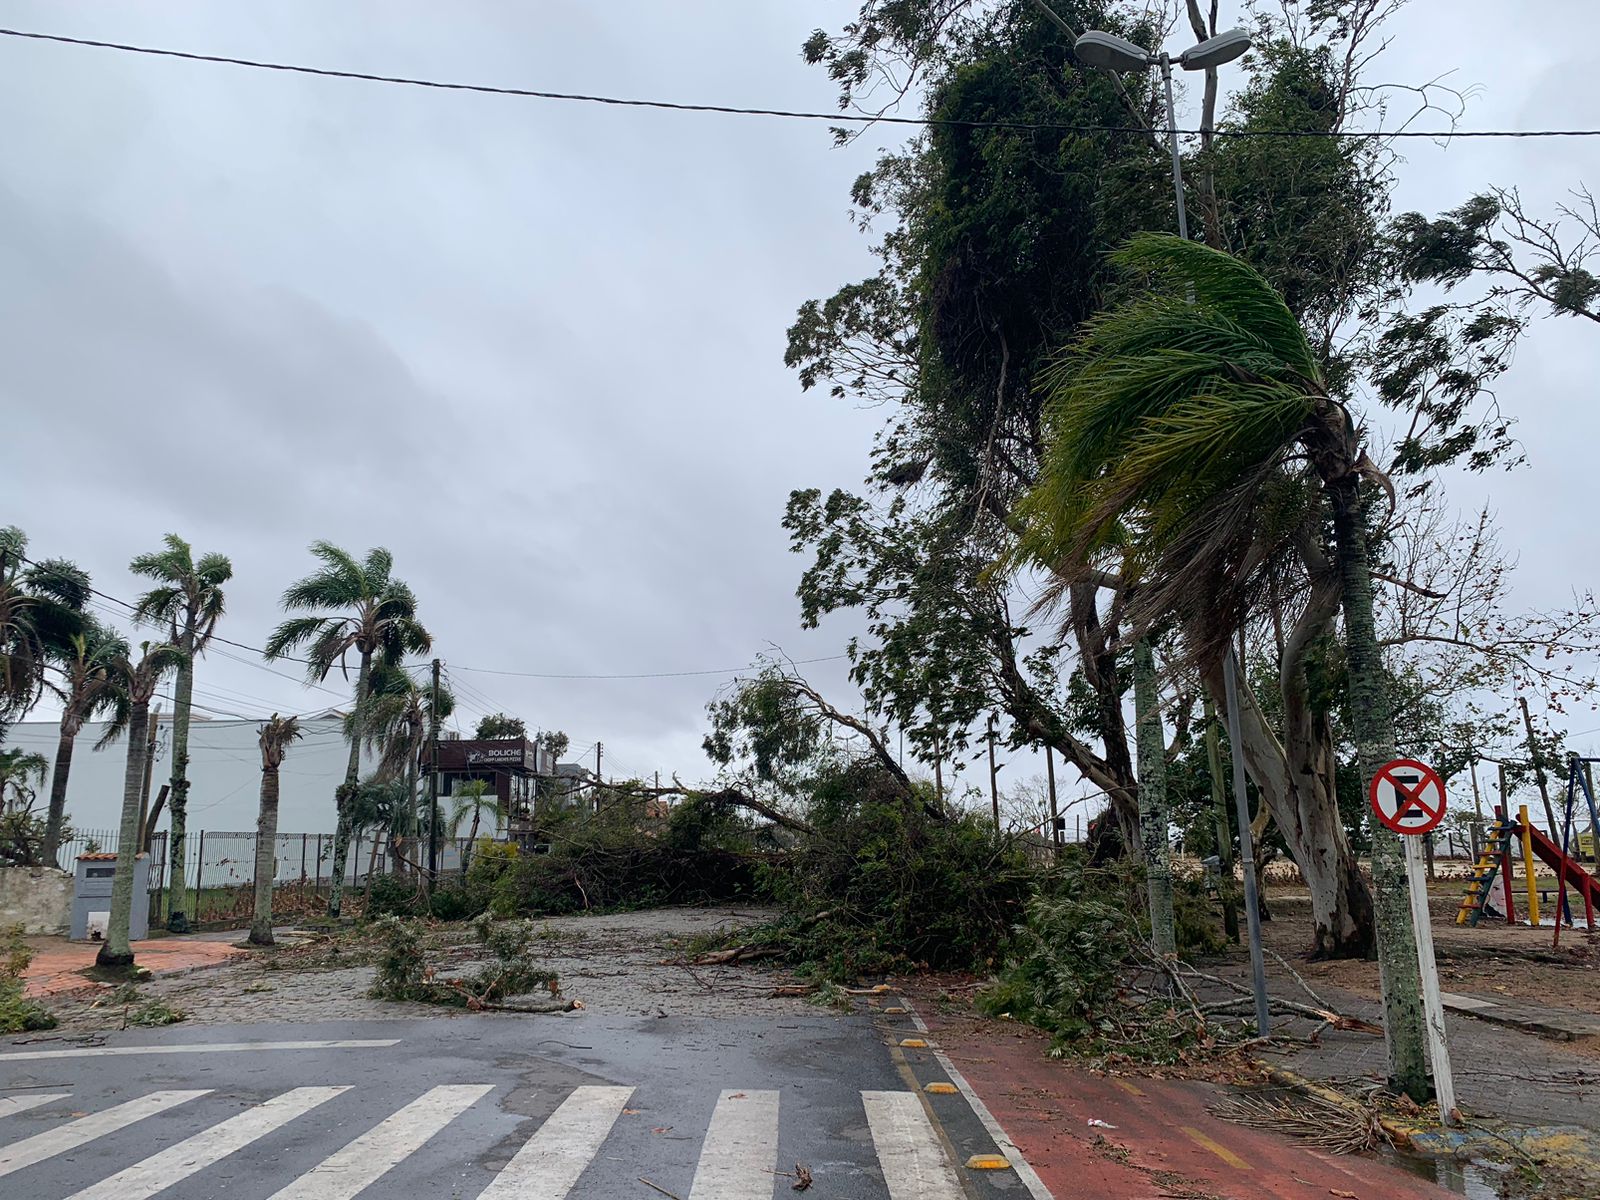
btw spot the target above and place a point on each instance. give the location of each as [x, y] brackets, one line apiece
[618, 964]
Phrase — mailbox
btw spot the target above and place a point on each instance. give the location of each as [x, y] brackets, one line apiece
[91, 897]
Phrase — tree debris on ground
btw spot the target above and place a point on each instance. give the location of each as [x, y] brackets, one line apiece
[17, 1013]
[507, 969]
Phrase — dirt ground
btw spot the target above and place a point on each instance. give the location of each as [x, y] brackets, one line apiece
[619, 964]
[1496, 960]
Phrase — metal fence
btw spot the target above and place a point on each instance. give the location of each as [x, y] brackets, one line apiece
[220, 865]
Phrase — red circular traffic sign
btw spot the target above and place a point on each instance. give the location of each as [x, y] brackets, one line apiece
[1407, 796]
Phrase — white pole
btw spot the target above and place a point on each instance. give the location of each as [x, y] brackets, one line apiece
[1432, 1005]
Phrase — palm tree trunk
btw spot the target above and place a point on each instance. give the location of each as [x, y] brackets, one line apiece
[115, 951]
[1373, 728]
[57, 816]
[1153, 818]
[266, 858]
[344, 798]
[178, 801]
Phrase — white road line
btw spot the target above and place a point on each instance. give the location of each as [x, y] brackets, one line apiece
[361, 1163]
[740, 1152]
[16, 1104]
[909, 1151]
[1019, 1164]
[195, 1048]
[85, 1129]
[146, 1178]
[550, 1162]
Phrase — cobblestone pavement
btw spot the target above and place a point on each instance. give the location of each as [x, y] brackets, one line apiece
[617, 964]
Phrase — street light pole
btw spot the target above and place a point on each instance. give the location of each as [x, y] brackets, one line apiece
[1112, 53]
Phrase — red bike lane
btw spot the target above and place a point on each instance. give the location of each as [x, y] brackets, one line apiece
[1157, 1139]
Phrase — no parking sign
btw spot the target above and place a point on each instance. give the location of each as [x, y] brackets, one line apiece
[1407, 796]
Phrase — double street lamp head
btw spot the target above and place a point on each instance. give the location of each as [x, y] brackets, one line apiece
[1096, 48]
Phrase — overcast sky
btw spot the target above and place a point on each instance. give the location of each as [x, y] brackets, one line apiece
[534, 348]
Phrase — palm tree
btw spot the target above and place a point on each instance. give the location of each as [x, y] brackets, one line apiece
[187, 599]
[91, 685]
[140, 680]
[276, 735]
[1192, 433]
[473, 796]
[365, 612]
[400, 712]
[42, 605]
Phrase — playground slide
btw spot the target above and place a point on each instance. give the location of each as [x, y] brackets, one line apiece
[1577, 877]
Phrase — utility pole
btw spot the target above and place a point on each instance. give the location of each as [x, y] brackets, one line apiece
[994, 771]
[1538, 767]
[1055, 816]
[433, 785]
[149, 772]
[597, 747]
[1219, 802]
[938, 767]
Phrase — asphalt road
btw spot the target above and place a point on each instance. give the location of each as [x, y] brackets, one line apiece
[491, 1107]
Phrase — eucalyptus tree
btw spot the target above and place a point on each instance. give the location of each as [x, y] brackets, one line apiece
[139, 680]
[275, 736]
[1192, 430]
[188, 600]
[354, 608]
[91, 685]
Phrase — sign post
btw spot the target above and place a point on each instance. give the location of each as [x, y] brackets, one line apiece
[1408, 797]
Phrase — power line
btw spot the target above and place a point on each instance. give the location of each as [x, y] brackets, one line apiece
[790, 114]
[646, 674]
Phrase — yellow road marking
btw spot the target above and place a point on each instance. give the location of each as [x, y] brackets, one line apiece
[914, 1043]
[1131, 1089]
[1221, 1151]
[988, 1162]
[941, 1089]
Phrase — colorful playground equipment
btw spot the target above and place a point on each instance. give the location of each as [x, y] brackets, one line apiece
[1507, 840]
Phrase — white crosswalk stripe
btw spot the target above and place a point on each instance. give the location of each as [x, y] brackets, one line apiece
[85, 1129]
[159, 1171]
[346, 1172]
[740, 1152]
[550, 1162]
[16, 1104]
[914, 1163]
[738, 1156]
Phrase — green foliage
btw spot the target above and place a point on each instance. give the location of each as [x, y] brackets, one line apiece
[138, 1010]
[494, 726]
[395, 896]
[509, 967]
[1062, 973]
[880, 886]
[18, 1015]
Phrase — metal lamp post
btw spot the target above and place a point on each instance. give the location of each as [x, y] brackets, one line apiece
[1109, 52]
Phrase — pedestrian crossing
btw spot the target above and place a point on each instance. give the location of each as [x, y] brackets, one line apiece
[738, 1154]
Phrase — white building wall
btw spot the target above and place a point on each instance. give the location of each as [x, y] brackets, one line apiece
[224, 774]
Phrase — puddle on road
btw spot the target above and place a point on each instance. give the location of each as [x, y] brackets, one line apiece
[1472, 1180]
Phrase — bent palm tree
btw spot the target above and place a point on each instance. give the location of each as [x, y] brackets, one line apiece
[91, 685]
[42, 605]
[140, 680]
[474, 797]
[275, 737]
[365, 612]
[1192, 431]
[400, 712]
[187, 599]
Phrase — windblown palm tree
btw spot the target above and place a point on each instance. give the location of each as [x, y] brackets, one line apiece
[91, 685]
[400, 712]
[473, 798]
[42, 605]
[1192, 435]
[140, 680]
[367, 613]
[276, 735]
[188, 600]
